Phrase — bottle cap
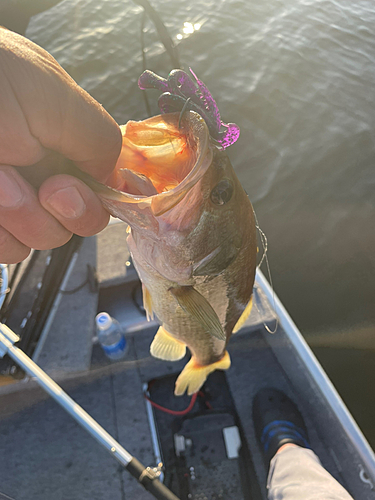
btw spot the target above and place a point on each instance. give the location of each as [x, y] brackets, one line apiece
[103, 320]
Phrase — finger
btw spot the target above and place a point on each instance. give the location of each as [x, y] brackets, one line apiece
[11, 250]
[23, 216]
[92, 139]
[73, 204]
[58, 114]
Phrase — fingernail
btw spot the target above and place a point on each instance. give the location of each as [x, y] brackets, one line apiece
[67, 202]
[10, 191]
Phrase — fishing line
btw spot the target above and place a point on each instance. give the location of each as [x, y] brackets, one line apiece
[264, 243]
[162, 31]
[144, 62]
[164, 38]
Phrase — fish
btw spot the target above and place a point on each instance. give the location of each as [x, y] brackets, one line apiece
[191, 225]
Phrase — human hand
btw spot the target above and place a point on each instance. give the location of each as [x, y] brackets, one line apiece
[43, 111]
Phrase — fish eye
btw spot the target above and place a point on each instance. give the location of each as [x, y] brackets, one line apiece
[222, 192]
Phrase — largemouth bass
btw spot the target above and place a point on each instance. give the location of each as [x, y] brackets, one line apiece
[192, 232]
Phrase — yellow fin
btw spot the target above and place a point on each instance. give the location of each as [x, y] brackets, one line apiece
[166, 347]
[243, 316]
[195, 304]
[147, 303]
[193, 376]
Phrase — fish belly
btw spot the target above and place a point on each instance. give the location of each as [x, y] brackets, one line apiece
[179, 329]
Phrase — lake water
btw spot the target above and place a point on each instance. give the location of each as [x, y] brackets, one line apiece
[298, 78]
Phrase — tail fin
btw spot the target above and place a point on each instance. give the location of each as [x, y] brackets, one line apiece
[193, 376]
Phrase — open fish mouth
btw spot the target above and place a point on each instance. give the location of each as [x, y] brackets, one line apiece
[162, 158]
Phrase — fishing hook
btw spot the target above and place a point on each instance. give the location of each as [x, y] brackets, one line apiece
[183, 111]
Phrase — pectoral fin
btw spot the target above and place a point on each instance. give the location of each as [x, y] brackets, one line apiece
[195, 304]
[243, 316]
[193, 376]
[166, 347]
[147, 303]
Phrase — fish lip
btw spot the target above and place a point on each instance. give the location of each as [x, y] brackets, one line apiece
[162, 202]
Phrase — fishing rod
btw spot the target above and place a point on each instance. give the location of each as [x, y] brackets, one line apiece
[148, 477]
[164, 36]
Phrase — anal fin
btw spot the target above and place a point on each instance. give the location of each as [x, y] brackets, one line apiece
[243, 316]
[193, 376]
[166, 347]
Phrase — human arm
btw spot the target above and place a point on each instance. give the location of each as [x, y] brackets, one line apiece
[43, 111]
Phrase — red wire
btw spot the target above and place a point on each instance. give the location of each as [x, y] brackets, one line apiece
[174, 412]
[203, 396]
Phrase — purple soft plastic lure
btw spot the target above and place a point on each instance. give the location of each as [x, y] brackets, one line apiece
[182, 89]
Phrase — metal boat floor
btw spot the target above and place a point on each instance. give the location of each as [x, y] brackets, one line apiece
[45, 454]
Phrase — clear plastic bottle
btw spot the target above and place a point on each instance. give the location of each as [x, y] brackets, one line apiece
[110, 336]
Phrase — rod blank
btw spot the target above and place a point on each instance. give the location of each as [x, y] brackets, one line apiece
[138, 470]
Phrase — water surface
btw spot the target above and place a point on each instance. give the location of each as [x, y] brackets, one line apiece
[299, 78]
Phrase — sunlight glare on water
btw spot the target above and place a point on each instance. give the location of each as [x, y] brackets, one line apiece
[188, 29]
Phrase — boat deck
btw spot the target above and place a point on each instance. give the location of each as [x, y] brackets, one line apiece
[45, 454]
